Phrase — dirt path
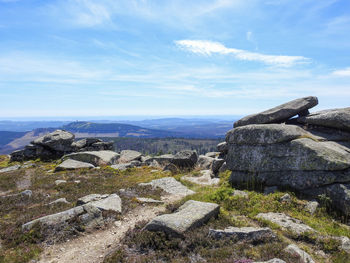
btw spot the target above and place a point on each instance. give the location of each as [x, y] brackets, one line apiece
[92, 247]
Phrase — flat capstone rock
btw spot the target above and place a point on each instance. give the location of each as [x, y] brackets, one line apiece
[280, 113]
[126, 156]
[96, 158]
[170, 185]
[286, 222]
[70, 164]
[190, 215]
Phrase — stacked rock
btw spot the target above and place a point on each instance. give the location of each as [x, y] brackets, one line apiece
[309, 153]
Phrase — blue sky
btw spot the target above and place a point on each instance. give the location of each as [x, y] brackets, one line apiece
[171, 58]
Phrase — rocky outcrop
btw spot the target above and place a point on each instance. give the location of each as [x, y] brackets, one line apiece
[311, 159]
[280, 113]
[95, 158]
[186, 159]
[190, 215]
[56, 144]
[299, 254]
[70, 164]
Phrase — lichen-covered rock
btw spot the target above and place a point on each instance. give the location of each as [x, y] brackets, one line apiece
[245, 234]
[128, 156]
[170, 185]
[190, 215]
[286, 222]
[70, 164]
[333, 118]
[280, 113]
[96, 158]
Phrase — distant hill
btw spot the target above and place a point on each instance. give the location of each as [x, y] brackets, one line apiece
[116, 130]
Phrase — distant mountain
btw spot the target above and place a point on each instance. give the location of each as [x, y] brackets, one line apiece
[116, 130]
[25, 126]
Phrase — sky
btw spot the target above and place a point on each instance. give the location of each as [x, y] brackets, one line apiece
[171, 58]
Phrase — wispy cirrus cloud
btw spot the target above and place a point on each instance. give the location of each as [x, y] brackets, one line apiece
[342, 72]
[204, 47]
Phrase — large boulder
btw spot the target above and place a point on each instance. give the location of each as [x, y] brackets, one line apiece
[58, 140]
[70, 164]
[334, 118]
[185, 159]
[95, 158]
[190, 215]
[280, 113]
[91, 144]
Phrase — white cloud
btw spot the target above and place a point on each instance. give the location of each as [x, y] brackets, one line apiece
[208, 47]
[342, 72]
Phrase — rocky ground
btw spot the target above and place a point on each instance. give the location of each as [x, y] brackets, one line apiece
[276, 191]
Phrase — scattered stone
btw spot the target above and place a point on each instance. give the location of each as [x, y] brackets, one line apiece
[70, 164]
[112, 203]
[127, 156]
[26, 194]
[212, 154]
[204, 179]
[240, 193]
[334, 118]
[311, 207]
[302, 256]
[274, 260]
[77, 181]
[96, 158]
[270, 190]
[59, 201]
[90, 198]
[170, 185]
[286, 222]
[280, 113]
[58, 182]
[204, 162]
[286, 198]
[148, 200]
[10, 169]
[124, 166]
[190, 215]
[245, 234]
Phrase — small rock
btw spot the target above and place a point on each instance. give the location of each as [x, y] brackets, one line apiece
[311, 207]
[118, 223]
[59, 201]
[240, 193]
[286, 198]
[58, 182]
[148, 200]
[70, 164]
[212, 154]
[170, 185]
[299, 253]
[27, 194]
[77, 181]
[10, 169]
[274, 260]
[170, 168]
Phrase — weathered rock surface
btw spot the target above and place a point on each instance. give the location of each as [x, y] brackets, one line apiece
[204, 179]
[190, 215]
[263, 134]
[91, 198]
[170, 185]
[333, 118]
[127, 156]
[240, 193]
[91, 144]
[148, 200]
[212, 154]
[59, 201]
[124, 166]
[204, 162]
[300, 254]
[111, 202]
[311, 207]
[96, 158]
[222, 147]
[286, 222]
[216, 165]
[58, 140]
[246, 234]
[274, 260]
[10, 169]
[70, 164]
[185, 159]
[280, 113]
